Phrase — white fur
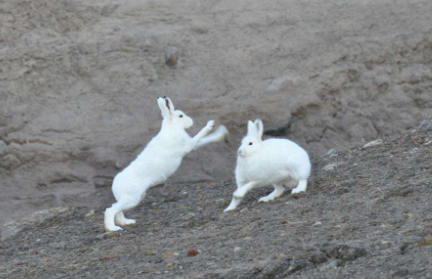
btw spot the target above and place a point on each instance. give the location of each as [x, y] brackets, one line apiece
[158, 161]
[270, 162]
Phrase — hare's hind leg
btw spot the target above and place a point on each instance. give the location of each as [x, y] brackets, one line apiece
[301, 187]
[112, 212]
[278, 191]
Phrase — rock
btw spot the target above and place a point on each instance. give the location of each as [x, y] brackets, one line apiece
[329, 266]
[171, 56]
[287, 83]
[279, 131]
[10, 162]
[102, 181]
[344, 253]
[192, 252]
[107, 10]
[423, 126]
[373, 143]
[109, 235]
[12, 228]
[237, 249]
[90, 213]
[2, 144]
[330, 167]
[331, 153]
[318, 258]
[317, 223]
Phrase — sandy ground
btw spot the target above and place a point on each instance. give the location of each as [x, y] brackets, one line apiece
[78, 81]
[366, 214]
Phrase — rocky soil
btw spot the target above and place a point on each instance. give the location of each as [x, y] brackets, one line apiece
[78, 81]
[366, 214]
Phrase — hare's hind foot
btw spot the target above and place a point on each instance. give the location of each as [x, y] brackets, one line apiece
[278, 191]
[122, 220]
[113, 229]
[301, 187]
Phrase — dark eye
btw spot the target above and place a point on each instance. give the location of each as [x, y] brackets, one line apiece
[250, 143]
[181, 116]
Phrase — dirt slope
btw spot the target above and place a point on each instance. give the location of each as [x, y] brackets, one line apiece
[78, 81]
[368, 217]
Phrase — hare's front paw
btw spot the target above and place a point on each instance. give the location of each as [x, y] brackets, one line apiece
[230, 208]
[210, 126]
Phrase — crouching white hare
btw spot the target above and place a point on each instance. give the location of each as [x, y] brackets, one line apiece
[159, 160]
[271, 162]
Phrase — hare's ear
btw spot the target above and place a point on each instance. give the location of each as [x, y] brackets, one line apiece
[252, 131]
[169, 104]
[260, 128]
[162, 106]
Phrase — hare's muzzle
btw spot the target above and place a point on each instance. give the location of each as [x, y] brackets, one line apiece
[241, 153]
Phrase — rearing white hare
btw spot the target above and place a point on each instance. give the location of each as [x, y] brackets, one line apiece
[273, 161]
[158, 161]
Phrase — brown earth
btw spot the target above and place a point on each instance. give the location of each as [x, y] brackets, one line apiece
[366, 214]
[78, 81]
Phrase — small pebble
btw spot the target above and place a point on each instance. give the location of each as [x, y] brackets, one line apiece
[373, 143]
[330, 167]
[171, 56]
[237, 249]
[423, 126]
[332, 152]
[90, 213]
[192, 253]
[329, 266]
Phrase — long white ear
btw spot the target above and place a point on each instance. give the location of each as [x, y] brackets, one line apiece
[169, 105]
[260, 128]
[252, 131]
[162, 106]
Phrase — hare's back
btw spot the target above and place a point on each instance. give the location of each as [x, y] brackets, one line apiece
[284, 152]
[284, 147]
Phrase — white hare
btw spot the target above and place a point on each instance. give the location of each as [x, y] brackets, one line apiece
[273, 161]
[158, 161]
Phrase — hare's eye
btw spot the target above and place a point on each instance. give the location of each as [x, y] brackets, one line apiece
[181, 116]
[250, 143]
